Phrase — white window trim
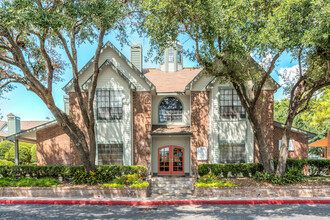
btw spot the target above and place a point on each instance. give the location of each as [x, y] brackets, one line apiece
[291, 145]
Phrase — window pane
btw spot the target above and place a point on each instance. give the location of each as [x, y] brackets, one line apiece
[170, 54]
[170, 109]
[230, 104]
[110, 154]
[232, 153]
[179, 56]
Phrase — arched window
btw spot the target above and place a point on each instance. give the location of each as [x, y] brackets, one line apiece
[170, 110]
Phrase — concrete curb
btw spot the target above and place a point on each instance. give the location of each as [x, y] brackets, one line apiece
[183, 202]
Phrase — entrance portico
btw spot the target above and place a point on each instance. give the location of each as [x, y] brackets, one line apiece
[170, 155]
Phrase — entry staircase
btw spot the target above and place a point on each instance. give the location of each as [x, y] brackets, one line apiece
[171, 186]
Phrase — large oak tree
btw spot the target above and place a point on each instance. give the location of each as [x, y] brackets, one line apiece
[32, 34]
[225, 34]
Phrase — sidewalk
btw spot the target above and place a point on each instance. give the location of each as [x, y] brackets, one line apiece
[161, 200]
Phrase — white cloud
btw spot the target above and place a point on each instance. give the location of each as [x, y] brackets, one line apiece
[288, 76]
[266, 61]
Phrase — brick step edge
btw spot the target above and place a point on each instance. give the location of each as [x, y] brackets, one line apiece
[185, 202]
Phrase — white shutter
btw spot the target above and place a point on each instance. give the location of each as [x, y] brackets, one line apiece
[279, 144]
[291, 145]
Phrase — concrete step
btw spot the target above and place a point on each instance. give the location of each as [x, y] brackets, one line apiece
[171, 186]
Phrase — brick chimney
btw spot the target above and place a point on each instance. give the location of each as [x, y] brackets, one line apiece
[14, 124]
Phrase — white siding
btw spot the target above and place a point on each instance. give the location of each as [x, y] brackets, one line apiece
[185, 99]
[227, 131]
[116, 131]
[201, 83]
[112, 56]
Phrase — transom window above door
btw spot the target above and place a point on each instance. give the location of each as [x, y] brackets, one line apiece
[230, 104]
[170, 110]
[109, 104]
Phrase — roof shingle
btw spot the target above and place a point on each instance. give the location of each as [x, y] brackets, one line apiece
[171, 81]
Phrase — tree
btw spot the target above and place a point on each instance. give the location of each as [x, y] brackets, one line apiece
[25, 153]
[226, 33]
[4, 147]
[34, 158]
[32, 32]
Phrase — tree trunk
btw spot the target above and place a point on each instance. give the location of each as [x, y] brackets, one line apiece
[266, 158]
[281, 166]
[76, 135]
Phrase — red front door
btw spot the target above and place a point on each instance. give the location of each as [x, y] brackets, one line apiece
[171, 160]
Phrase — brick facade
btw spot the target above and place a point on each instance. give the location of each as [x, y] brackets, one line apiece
[300, 144]
[200, 108]
[265, 105]
[141, 127]
[53, 146]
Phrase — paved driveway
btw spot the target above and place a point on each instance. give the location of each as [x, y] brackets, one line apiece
[35, 211]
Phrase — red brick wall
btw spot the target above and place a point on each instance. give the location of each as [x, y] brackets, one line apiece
[53, 146]
[300, 144]
[141, 127]
[265, 106]
[200, 102]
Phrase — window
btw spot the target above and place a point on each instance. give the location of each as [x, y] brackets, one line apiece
[232, 153]
[179, 56]
[110, 154]
[230, 104]
[170, 54]
[109, 105]
[291, 145]
[170, 110]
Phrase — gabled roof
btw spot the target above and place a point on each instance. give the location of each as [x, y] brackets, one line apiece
[110, 64]
[320, 143]
[25, 125]
[41, 126]
[171, 82]
[131, 65]
[309, 134]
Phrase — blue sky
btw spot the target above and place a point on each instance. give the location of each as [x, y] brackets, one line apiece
[29, 106]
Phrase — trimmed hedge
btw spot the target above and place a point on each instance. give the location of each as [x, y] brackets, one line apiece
[245, 169]
[316, 167]
[103, 173]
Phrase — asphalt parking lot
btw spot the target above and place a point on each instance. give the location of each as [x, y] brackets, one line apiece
[39, 211]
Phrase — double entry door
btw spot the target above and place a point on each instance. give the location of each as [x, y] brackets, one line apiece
[171, 160]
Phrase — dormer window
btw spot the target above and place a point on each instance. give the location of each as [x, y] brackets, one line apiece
[170, 110]
[170, 54]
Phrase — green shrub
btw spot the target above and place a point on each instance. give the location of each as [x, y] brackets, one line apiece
[6, 163]
[34, 154]
[108, 173]
[245, 169]
[77, 174]
[292, 175]
[4, 148]
[24, 153]
[112, 185]
[139, 185]
[318, 167]
[215, 184]
[25, 182]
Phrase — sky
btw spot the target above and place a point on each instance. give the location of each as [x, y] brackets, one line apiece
[29, 107]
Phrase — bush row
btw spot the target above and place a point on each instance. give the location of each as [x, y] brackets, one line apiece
[244, 169]
[77, 174]
[316, 167]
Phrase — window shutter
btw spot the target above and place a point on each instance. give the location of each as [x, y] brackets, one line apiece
[291, 145]
[279, 144]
